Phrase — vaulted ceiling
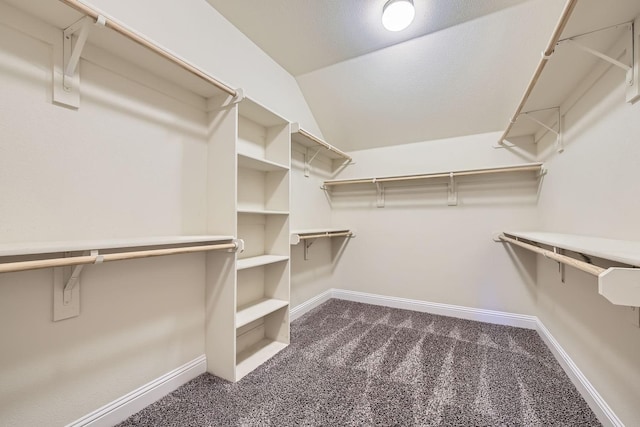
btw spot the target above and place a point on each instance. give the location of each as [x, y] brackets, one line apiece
[459, 69]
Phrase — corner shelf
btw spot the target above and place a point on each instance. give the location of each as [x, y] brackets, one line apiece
[621, 286]
[566, 71]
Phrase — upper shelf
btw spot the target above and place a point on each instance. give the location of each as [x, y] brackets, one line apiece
[528, 167]
[623, 251]
[587, 32]
[308, 140]
[124, 42]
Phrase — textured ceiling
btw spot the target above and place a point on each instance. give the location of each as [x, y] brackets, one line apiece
[305, 35]
[460, 69]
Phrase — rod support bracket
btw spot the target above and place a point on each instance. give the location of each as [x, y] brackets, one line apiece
[452, 191]
[379, 193]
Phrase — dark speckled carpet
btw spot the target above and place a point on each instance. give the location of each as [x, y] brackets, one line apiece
[352, 364]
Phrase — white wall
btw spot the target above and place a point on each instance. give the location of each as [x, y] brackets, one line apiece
[310, 209]
[418, 247]
[197, 32]
[592, 189]
[132, 161]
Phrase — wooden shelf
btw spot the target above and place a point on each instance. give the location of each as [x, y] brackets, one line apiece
[254, 311]
[33, 248]
[256, 355]
[263, 165]
[623, 251]
[306, 139]
[257, 261]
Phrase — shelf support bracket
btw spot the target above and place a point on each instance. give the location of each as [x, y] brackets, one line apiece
[452, 191]
[307, 245]
[66, 289]
[66, 90]
[557, 132]
[380, 193]
[633, 46]
[308, 161]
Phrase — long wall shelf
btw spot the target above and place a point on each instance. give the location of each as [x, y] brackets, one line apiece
[33, 248]
[529, 167]
[619, 285]
[306, 139]
[448, 177]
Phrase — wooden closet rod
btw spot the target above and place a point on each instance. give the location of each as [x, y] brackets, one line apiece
[324, 144]
[315, 236]
[91, 259]
[551, 46]
[82, 8]
[580, 265]
[521, 168]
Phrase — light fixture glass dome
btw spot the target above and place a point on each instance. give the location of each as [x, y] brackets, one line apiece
[398, 14]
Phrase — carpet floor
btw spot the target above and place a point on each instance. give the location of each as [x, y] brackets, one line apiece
[352, 364]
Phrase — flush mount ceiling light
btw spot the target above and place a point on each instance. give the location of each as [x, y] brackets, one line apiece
[398, 14]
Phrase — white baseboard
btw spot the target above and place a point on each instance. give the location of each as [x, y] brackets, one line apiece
[310, 304]
[597, 404]
[122, 408]
[480, 315]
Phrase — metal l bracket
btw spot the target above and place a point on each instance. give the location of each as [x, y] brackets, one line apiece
[557, 132]
[452, 191]
[632, 71]
[66, 89]
[307, 161]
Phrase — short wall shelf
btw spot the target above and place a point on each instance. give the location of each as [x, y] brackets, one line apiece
[314, 233]
[620, 285]
[450, 178]
[315, 146]
[309, 236]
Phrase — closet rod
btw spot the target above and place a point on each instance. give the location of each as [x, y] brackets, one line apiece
[324, 144]
[93, 259]
[580, 265]
[551, 46]
[315, 236]
[82, 8]
[522, 168]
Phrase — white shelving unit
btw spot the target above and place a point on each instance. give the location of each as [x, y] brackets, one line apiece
[620, 285]
[249, 321]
